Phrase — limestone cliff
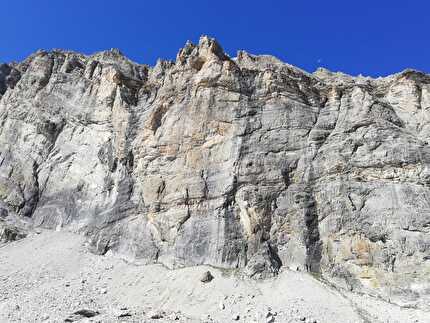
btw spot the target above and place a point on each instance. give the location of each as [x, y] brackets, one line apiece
[242, 162]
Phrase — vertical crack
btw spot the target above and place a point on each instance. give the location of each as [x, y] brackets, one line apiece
[311, 234]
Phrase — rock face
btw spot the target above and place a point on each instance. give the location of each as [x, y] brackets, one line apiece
[242, 162]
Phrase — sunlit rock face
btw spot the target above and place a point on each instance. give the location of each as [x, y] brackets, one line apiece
[242, 162]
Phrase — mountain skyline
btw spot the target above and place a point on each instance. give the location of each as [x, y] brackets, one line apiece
[373, 39]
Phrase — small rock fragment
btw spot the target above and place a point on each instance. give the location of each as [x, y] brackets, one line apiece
[174, 317]
[221, 305]
[155, 315]
[270, 319]
[206, 277]
[81, 314]
[124, 314]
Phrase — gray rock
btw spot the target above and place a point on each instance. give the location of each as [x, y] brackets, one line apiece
[123, 313]
[81, 314]
[156, 315]
[9, 232]
[221, 305]
[206, 277]
[243, 162]
[270, 319]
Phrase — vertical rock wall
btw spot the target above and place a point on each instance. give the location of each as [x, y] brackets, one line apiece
[237, 163]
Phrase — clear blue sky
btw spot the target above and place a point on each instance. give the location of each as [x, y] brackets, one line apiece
[375, 37]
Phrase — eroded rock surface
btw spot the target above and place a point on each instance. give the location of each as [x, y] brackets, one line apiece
[9, 233]
[242, 162]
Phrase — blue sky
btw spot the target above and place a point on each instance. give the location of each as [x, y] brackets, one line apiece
[374, 38]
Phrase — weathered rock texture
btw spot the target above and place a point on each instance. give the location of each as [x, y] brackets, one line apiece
[242, 162]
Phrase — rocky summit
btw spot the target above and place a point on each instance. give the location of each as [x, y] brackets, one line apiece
[243, 163]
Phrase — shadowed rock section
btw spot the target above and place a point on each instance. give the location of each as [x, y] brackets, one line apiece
[242, 162]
